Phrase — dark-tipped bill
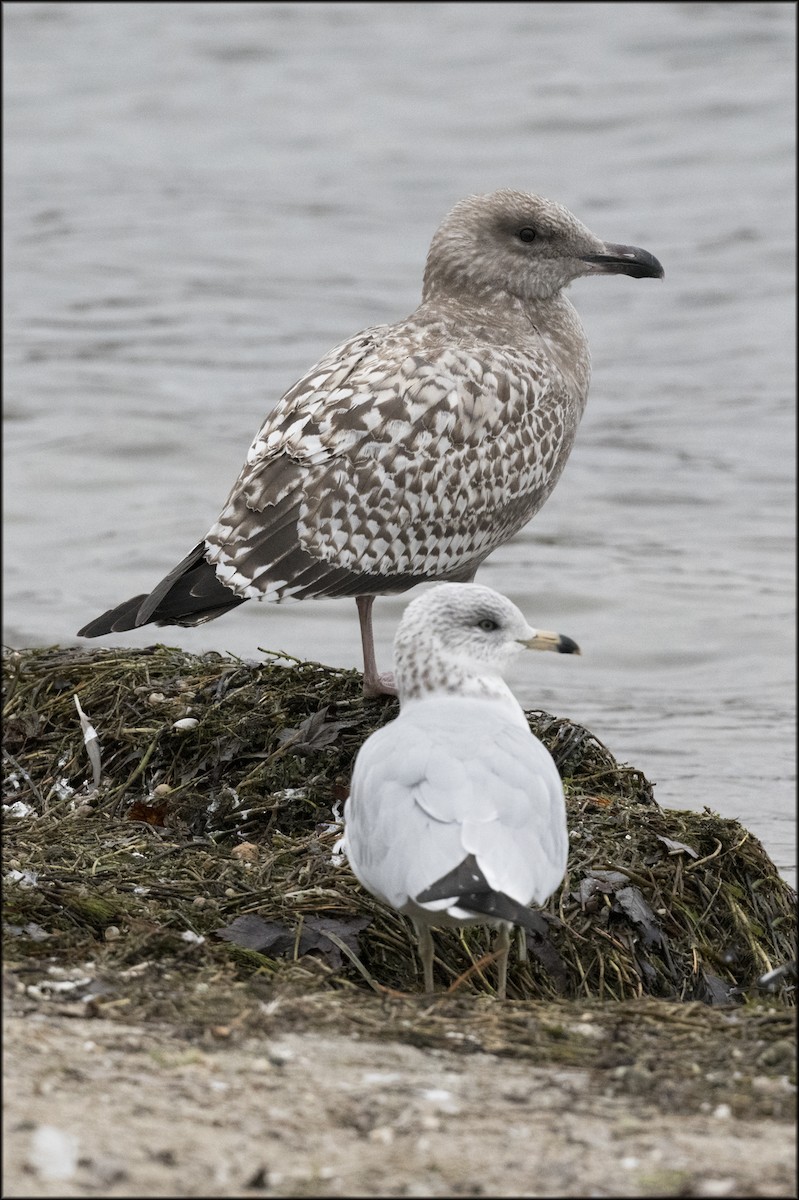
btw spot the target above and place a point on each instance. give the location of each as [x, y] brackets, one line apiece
[625, 260]
[543, 640]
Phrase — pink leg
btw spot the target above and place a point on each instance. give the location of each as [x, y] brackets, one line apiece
[373, 684]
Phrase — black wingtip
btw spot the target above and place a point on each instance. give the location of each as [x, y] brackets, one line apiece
[503, 908]
[469, 889]
[115, 620]
[466, 877]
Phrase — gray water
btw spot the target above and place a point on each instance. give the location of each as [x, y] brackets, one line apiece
[200, 199]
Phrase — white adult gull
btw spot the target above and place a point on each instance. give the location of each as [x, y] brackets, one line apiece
[411, 451]
[456, 812]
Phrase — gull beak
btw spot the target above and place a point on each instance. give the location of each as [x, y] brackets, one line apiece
[543, 640]
[624, 260]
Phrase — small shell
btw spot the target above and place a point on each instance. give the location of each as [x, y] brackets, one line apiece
[186, 723]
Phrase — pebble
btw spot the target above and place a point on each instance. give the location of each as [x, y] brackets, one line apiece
[715, 1187]
[54, 1153]
[246, 852]
[383, 1134]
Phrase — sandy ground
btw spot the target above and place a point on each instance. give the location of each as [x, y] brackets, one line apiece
[99, 1108]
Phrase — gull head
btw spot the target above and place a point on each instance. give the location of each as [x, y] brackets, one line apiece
[458, 638]
[523, 245]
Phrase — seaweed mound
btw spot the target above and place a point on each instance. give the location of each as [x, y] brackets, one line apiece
[183, 813]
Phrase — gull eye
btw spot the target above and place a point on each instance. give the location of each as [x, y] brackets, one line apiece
[487, 625]
[527, 234]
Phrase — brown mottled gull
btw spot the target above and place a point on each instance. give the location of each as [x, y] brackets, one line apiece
[456, 813]
[411, 451]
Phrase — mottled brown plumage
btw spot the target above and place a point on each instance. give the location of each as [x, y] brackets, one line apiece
[411, 451]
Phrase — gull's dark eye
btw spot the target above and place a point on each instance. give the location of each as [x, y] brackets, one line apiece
[487, 625]
[527, 234]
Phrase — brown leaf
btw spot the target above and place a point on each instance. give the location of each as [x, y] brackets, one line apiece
[151, 814]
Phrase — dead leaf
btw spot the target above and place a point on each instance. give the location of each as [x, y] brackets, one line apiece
[711, 989]
[314, 734]
[631, 902]
[150, 814]
[677, 847]
[596, 883]
[314, 937]
[253, 933]
[274, 939]
[539, 945]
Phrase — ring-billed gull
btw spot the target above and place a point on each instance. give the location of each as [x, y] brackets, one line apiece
[456, 812]
[411, 451]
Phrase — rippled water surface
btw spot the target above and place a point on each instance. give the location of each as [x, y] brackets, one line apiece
[200, 199]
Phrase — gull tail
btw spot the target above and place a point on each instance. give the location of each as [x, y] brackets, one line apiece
[189, 595]
[469, 889]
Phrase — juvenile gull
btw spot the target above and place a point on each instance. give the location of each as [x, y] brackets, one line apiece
[456, 813]
[413, 450]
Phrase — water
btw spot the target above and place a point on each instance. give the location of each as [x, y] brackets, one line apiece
[201, 199]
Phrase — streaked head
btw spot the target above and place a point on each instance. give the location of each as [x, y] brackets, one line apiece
[520, 243]
[458, 632]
